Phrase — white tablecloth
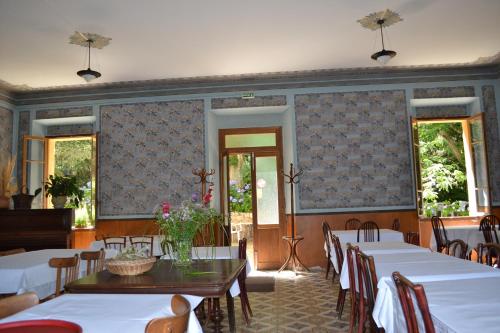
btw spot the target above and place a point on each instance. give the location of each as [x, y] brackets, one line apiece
[468, 305]
[157, 251]
[418, 268]
[470, 234]
[117, 313]
[351, 236]
[30, 271]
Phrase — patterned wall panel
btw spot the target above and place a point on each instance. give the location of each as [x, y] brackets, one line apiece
[5, 134]
[82, 129]
[64, 113]
[492, 140]
[442, 111]
[354, 149]
[146, 154]
[443, 92]
[238, 102]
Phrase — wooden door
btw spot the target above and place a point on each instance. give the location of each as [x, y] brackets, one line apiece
[34, 168]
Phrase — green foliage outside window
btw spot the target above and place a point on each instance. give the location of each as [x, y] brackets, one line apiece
[442, 159]
[240, 190]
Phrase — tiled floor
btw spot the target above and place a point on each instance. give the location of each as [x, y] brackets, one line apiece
[305, 303]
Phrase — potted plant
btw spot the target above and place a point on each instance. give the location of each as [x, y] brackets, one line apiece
[60, 188]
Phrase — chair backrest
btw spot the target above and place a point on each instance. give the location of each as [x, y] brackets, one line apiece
[174, 324]
[338, 250]
[326, 235]
[487, 226]
[457, 248]
[95, 260]
[352, 224]
[369, 275]
[396, 224]
[493, 219]
[412, 237]
[242, 254]
[14, 304]
[71, 269]
[11, 252]
[439, 233]
[117, 243]
[489, 254]
[405, 291]
[140, 242]
[351, 256]
[368, 229]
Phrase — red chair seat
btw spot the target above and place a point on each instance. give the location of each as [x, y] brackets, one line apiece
[40, 326]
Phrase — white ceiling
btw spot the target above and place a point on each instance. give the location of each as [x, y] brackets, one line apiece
[157, 39]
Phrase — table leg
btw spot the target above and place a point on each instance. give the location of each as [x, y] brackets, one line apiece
[217, 315]
[230, 312]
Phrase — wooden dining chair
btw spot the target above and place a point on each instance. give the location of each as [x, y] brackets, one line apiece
[368, 229]
[405, 291]
[487, 226]
[70, 266]
[140, 242]
[340, 261]
[493, 219]
[457, 248]
[177, 323]
[326, 235]
[117, 243]
[412, 237]
[489, 254]
[352, 224]
[95, 260]
[369, 280]
[396, 225]
[11, 252]
[351, 257]
[439, 233]
[245, 303]
[14, 304]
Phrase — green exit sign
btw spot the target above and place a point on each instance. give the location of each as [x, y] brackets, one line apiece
[248, 95]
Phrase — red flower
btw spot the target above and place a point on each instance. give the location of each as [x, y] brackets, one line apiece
[165, 207]
[207, 197]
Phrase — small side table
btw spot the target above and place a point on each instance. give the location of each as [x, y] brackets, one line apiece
[292, 255]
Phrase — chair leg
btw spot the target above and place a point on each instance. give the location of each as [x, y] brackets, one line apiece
[334, 273]
[352, 318]
[244, 309]
[243, 291]
[328, 264]
[341, 301]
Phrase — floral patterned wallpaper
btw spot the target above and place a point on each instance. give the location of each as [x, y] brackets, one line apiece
[354, 149]
[24, 129]
[146, 154]
[492, 140]
[5, 134]
[443, 92]
[64, 113]
[442, 111]
[238, 102]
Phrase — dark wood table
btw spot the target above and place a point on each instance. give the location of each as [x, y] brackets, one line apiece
[206, 278]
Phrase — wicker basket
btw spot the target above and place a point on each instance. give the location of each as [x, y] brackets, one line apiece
[130, 267]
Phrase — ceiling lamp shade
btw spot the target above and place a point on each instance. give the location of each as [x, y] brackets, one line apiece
[384, 55]
[88, 74]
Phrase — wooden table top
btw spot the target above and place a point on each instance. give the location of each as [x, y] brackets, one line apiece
[206, 278]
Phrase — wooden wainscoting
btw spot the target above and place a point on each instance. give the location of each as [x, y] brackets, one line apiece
[81, 238]
[311, 250]
[124, 227]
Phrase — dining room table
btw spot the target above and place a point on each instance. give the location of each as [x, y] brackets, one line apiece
[205, 278]
[30, 271]
[470, 234]
[351, 236]
[420, 266]
[110, 313]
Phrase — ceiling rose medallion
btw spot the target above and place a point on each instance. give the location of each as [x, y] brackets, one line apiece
[88, 40]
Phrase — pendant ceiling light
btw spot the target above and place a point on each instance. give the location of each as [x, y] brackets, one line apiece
[88, 74]
[385, 55]
[380, 20]
[89, 40]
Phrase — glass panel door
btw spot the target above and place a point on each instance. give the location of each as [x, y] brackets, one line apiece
[480, 162]
[266, 179]
[34, 171]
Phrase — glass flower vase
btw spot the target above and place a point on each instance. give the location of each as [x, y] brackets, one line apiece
[183, 252]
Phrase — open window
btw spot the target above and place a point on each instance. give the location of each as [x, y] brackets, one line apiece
[451, 167]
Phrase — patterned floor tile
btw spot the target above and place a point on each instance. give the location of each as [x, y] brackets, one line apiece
[302, 303]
